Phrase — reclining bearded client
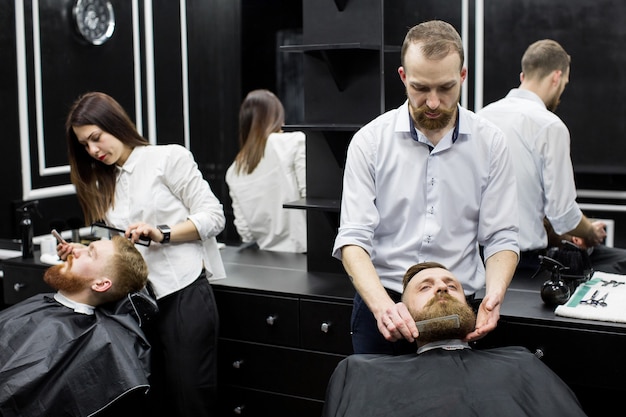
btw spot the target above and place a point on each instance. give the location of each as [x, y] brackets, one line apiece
[74, 353]
[446, 377]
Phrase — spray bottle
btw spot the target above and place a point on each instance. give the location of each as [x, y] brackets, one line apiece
[26, 227]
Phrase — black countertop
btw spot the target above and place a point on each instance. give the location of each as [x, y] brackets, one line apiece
[281, 273]
[286, 273]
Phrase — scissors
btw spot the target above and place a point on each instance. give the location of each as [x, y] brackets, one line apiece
[596, 302]
[615, 283]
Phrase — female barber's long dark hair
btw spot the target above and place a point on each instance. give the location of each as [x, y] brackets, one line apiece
[261, 114]
[94, 180]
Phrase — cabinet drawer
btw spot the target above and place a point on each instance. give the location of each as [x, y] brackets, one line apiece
[281, 370]
[325, 326]
[250, 403]
[20, 283]
[258, 318]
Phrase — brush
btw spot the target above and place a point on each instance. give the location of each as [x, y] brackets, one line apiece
[423, 325]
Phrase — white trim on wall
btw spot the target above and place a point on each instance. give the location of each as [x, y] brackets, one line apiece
[184, 57]
[464, 39]
[28, 192]
[479, 57]
[150, 83]
[137, 68]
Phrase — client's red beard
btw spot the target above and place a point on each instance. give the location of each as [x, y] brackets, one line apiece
[63, 281]
[445, 329]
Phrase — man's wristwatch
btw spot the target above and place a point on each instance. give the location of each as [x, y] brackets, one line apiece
[165, 229]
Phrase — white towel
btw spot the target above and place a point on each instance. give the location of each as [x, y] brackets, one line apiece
[603, 283]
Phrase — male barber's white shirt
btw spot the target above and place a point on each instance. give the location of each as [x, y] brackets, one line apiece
[404, 204]
[540, 144]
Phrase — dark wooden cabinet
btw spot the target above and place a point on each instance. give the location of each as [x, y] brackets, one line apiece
[282, 332]
[586, 354]
[23, 278]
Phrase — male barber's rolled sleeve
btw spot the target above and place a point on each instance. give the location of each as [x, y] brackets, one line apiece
[557, 172]
[359, 215]
[498, 227]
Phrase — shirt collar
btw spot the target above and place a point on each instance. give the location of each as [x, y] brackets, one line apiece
[527, 95]
[448, 344]
[77, 307]
[132, 160]
[455, 130]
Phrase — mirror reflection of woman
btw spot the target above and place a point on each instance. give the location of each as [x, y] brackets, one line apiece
[268, 171]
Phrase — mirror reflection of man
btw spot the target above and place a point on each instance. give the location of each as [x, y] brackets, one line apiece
[446, 377]
[540, 140]
[70, 353]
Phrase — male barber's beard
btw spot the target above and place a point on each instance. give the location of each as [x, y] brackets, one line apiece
[445, 329]
[553, 104]
[424, 122]
[64, 281]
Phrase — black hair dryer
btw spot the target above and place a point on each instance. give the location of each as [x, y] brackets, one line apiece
[554, 291]
[26, 227]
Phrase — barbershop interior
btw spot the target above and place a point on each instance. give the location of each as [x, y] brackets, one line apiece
[258, 156]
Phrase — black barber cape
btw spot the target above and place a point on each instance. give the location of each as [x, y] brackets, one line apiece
[508, 381]
[55, 362]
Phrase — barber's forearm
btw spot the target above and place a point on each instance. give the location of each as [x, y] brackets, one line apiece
[499, 271]
[360, 268]
[184, 232]
[584, 229]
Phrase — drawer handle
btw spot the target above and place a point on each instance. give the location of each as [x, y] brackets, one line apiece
[237, 364]
[18, 286]
[270, 320]
[239, 409]
[325, 327]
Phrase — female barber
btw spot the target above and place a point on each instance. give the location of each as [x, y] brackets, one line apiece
[156, 192]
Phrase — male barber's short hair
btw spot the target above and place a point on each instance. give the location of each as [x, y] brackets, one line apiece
[543, 57]
[127, 269]
[437, 39]
[413, 270]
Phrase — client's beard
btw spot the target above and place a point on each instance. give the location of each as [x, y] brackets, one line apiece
[445, 329]
[63, 281]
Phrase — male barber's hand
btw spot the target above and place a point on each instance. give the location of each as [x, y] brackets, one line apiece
[598, 235]
[396, 323]
[487, 317]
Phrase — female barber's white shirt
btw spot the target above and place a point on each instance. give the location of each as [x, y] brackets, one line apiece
[258, 198]
[163, 185]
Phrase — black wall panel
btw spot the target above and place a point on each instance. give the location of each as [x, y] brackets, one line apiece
[69, 67]
[593, 33]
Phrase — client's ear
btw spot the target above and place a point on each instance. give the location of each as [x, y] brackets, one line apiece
[101, 285]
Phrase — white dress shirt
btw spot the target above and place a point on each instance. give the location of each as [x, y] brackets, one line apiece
[258, 197]
[404, 204]
[74, 305]
[540, 142]
[163, 185]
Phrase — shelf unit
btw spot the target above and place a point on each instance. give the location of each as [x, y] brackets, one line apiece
[350, 77]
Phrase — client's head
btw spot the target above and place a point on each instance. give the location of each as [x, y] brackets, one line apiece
[103, 272]
[431, 291]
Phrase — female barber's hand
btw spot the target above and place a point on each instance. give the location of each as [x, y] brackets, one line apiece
[396, 323]
[65, 249]
[137, 230]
